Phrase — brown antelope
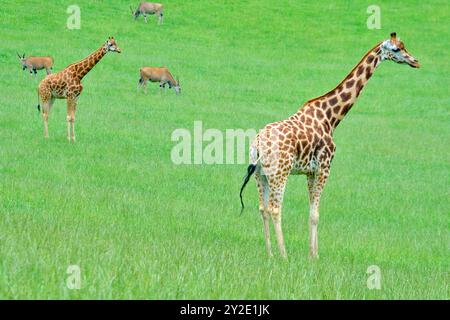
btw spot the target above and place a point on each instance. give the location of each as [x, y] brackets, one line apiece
[161, 75]
[146, 8]
[36, 63]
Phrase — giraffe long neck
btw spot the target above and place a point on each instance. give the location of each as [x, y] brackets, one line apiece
[85, 65]
[334, 105]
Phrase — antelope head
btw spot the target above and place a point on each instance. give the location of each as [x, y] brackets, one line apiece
[23, 61]
[135, 13]
[177, 86]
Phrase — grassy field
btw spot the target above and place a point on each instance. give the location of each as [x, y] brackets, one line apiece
[141, 227]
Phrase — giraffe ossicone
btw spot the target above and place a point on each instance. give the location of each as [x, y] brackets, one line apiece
[303, 143]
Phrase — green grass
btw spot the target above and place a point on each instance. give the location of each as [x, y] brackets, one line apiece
[142, 227]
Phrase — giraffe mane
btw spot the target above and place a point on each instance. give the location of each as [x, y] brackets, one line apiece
[351, 72]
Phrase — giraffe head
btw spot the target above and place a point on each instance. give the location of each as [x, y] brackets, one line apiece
[393, 49]
[111, 45]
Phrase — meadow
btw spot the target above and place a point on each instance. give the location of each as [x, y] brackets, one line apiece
[141, 227]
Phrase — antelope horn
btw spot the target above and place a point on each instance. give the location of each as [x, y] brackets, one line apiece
[19, 55]
[131, 8]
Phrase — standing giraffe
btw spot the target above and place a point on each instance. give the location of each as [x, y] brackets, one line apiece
[66, 84]
[303, 143]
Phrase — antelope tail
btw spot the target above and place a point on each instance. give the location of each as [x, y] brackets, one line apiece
[250, 170]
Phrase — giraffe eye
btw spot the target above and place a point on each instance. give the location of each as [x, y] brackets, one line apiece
[396, 50]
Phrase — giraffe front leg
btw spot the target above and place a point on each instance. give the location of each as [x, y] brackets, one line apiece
[315, 190]
[68, 125]
[74, 110]
[73, 127]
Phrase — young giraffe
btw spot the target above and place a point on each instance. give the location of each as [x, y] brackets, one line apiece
[303, 143]
[66, 84]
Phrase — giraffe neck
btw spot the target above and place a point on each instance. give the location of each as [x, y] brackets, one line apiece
[85, 65]
[336, 103]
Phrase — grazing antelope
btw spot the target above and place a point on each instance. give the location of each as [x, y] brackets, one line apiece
[303, 143]
[66, 84]
[36, 63]
[161, 75]
[146, 8]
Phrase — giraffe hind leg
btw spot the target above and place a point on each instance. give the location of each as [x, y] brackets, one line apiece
[47, 102]
[263, 188]
[71, 109]
[276, 193]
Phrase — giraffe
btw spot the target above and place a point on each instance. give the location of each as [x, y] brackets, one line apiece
[66, 84]
[303, 144]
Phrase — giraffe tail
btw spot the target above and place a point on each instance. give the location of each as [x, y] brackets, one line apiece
[250, 170]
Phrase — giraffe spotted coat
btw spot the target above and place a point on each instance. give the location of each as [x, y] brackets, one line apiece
[303, 143]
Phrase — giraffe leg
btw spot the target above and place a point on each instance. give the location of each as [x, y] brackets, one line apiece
[47, 103]
[74, 110]
[310, 180]
[315, 190]
[45, 111]
[275, 200]
[68, 119]
[71, 105]
[263, 188]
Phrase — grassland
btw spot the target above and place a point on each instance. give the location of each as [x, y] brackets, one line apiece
[141, 227]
